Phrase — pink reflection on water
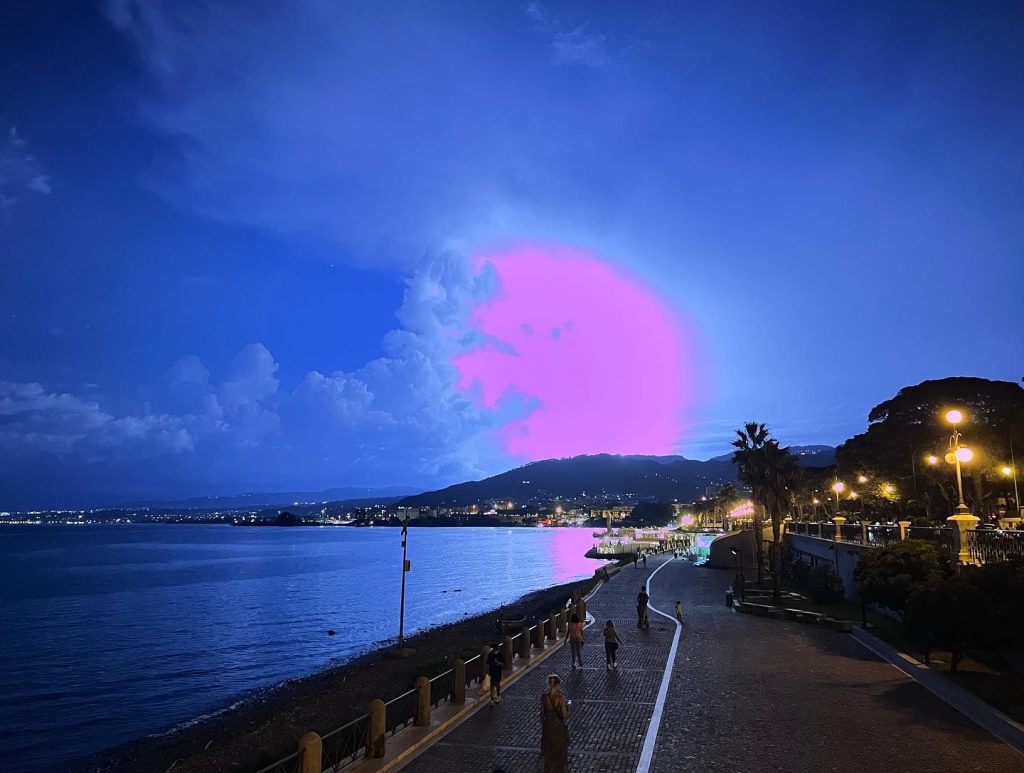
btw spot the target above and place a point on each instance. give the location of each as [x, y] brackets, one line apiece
[566, 554]
[600, 357]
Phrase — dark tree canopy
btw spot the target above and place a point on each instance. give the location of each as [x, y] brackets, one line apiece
[906, 428]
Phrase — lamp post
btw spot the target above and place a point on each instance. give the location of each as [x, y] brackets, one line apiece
[1009, 470]
[405, 570]
[957, 454]
[838, 487]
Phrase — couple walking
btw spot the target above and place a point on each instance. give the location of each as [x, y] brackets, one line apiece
[611, 643]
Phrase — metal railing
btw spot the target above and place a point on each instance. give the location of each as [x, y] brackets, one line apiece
[346, 744]
[475, 667]
[289, 764]
[401, 712]
[991, 546]
[442, 687]
[883, 535]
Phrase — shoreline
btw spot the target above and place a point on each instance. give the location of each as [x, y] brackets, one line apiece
[263, 726]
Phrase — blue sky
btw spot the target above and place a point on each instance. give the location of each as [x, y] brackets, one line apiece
[234, 237]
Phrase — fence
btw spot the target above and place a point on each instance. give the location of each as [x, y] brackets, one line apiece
[990, 546]
[347, 743]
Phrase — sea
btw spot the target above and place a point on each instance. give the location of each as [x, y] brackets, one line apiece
[113, 632]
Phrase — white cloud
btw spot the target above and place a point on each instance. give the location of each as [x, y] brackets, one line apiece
[19, 170]
[576, 45]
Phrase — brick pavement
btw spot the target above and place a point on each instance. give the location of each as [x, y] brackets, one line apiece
[752, 694]
[747, 694]
[610, 710]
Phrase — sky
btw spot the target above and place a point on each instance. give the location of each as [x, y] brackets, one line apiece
[289, 246]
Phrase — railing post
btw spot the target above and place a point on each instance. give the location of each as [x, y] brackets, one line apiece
[553, 626]
[485, 650]
[961, 542]
[524, 642]
[376, 728]
[422, 701]
[581, 609]
[459, 689]
[819, 528]
[509, 654]
[540, 634]
[561, 622]
[904, 525]
[311, 750]
[839, 521]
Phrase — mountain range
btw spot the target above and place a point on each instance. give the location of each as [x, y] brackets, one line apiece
[600, 476]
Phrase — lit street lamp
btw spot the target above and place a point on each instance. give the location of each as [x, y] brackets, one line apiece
[957, 454]
[1008, 470]
[838, 487]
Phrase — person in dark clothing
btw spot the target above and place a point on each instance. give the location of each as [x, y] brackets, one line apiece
[495, 665]
[645, 560]
[642, 600]
[636, 560]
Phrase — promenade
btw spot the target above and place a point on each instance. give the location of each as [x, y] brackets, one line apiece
[746, 694]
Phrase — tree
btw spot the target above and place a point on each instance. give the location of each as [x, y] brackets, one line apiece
[725, 501]
[891, 574]
[770, 471]
[908, 427]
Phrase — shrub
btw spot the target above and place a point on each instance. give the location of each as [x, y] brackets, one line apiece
[891, 574]
[823, 585]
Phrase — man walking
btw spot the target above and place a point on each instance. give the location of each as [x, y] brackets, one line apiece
[642, 599]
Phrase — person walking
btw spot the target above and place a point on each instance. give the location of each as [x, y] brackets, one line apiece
[554, 733]
[611, 645]
[575, 632]
[642, 600]
[495, 665]
[645, 560]
[636, 560]
[679, 611]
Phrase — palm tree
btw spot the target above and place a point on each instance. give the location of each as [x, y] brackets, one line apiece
[726, 501]
[771, 473]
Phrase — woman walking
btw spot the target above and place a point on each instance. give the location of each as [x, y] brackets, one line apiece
[576, 640]
[554, 734]
[611, 645]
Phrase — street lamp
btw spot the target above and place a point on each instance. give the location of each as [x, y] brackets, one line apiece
[957, 454]
[862, 478]
[1008, 470]
[932, 459]
[838, 487]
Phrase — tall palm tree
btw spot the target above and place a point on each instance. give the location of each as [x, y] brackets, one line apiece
[771, 472]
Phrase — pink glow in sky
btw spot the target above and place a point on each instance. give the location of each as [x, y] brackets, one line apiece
[603, 358]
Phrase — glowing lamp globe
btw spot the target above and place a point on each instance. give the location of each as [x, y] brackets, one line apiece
[839, 487]
[889, 488]
[1007, 470]
[950, 458]
[862, 478]
[964, 454]
[954, 416]
[932, 459]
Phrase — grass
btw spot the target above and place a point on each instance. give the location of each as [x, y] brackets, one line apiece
[1003, 690]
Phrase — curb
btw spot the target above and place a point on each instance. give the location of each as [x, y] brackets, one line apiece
[988, 718]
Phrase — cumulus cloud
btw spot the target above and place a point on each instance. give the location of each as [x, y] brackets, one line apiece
[19, 171]
[398, 419]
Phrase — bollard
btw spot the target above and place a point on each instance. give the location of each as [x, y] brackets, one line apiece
[561, 622]
[553, 626]
[422, 701]
[524, 643]
[839, 521]
[509, 654]
[485, 650]
[459, 690]
[311, 749]
[539, 639]
[375, 728]
[904, 525]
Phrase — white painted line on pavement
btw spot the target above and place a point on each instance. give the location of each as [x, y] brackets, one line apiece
[647, 753]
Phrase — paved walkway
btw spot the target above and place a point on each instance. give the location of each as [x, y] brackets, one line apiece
[746, 694]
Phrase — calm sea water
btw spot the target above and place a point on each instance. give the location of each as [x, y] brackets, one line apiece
[112, 632]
